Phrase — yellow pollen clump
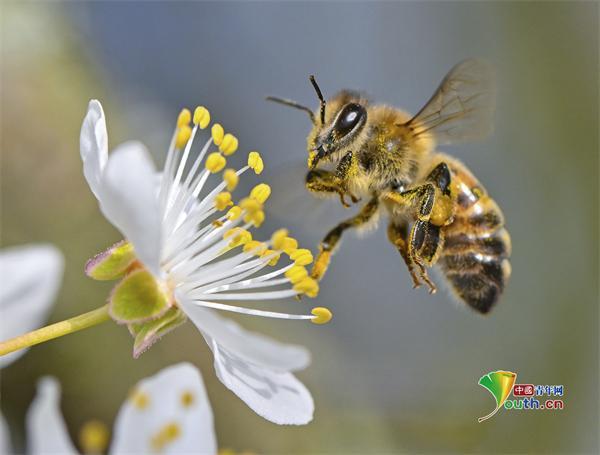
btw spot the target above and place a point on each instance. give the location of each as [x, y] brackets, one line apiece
[250, 205]
[223, 200]
[94, 437]
[255, 162]
[217, 134]
[238, 236]
[234, 213]
[184, 118]
[296, 274]
[215, 162]
[311, 157]
[261, 192]
[290, 245]
[167, 434]
[140, 400]
[278, 237]
[257, 218]
[187, 399]
[255, 246]
[274, 260]
[229, 144]
[183, 136]
[307, 286]
[301, 256]
[201, 117]
[231, 178]
[323, 315]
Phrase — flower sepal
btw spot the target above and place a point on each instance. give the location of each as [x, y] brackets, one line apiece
[112, 263]
[138, 298]
[148, 333]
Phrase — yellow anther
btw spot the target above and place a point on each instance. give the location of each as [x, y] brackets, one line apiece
[215, 162]
[290, 245]
[201, 117]
[217, 223]
[256, 218]
[231, 178]
[261, 192]
[323, 315]
[234, 213]
[183, 136]
[301, 256]
[255, 162]
[311, 157]
[238, 236]
[217, 134]
[278, 237]
[307, 286]
[184, 118]
[229, 144]
[187, 399]
[140, 400]
[223, 200]
[296, 274]
[256, 246]
[94, 437]
[167, 434]
[250, 205]
[274, 260]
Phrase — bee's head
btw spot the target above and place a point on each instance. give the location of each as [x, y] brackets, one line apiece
[337, 124]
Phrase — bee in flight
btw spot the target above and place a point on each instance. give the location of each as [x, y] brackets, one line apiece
[439, 213]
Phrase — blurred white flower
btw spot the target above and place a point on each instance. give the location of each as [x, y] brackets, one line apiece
[182, 258]
[31, 277]
[166, 413]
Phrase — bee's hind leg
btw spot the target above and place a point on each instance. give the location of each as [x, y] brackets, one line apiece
[334, 236]
[398, 236]
[426, 243]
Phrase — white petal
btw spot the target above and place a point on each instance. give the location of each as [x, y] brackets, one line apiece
[175, 396]
[251, 346]
[276, 396]
[5, 445]
[93, 143]
[46, 429]
[130, 200]
[31, 277]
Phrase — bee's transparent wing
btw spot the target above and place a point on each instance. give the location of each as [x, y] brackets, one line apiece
[462, 107]
[293, 205]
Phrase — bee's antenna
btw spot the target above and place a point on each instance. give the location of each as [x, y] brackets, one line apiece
[320, 96]
[293, 104]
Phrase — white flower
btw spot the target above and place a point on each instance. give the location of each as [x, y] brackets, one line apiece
[182, 258]
[166, 413]
[31, 277]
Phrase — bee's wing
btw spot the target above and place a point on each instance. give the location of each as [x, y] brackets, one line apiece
[293, 205]
[462, 107]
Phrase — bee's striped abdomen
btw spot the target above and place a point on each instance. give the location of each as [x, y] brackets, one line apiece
[476, 249]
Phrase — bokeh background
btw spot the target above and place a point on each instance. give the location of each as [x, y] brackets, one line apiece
[396, 371]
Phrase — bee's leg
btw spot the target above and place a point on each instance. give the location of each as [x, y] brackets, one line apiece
[443, 210]
[421, 197]
[398, 235]
[333, 237]
[322, 181]
[426, 243]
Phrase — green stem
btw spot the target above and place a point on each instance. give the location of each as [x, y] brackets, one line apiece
[83, 321]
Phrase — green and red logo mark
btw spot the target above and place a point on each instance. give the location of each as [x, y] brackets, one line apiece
[525, 396]
[499, 384]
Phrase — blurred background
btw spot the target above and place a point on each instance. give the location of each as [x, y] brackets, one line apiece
[396, 371]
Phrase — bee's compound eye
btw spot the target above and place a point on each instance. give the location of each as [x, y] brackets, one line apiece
[349, 117]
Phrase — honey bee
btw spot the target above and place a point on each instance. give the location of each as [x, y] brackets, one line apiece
[439, 214]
